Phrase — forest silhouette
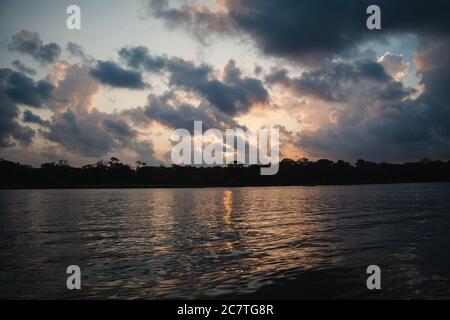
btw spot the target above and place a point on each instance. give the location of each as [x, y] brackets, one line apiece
[300, 172]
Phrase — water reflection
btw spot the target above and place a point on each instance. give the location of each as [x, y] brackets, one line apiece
[186, 243]
[228, 204]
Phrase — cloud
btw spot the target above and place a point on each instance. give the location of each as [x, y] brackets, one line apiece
[435, 75]
[77, 127]
[92, 134]
[24, 90]
[396, 129]
[30, 117]
[305, 30]
[183, 115]
[30, 43]
[145, 152]
[77, 50]
[169, 111]
[139, 57]
[119, 128]
[96, 135]
[198, 19]
[75, 89]
[373, 114]
[109, 73]
[366, 109]
[234, 94]
[20, 67]
[394, 65]
[339, 81]
[10, 129]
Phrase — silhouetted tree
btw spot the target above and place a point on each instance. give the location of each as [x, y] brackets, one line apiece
[299, 172]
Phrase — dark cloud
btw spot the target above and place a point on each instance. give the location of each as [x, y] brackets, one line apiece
[306, 29]
[140, 58]
[166, 109]
[30, 43]
[258, 70]
[96, 134]
[434, 69]
[174, 114]
[30, 117]
[20, 67]
[16, 88]
[337, 82]
[374, 115]
[22, 89]
[232, 96]
[241, 92]
[77, 50]
[79, 135]
[235, 94]
[92, 134]
[119, 128]
[398, 129]
[183, 115]
[79, 129]
[145, 152]
[199, 20]
[109, 73]
[395, 132]
[377, 118]
[10, 129]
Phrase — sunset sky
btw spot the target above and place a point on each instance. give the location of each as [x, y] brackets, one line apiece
[137, 70]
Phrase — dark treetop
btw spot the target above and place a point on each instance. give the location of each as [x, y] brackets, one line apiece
[301, 172]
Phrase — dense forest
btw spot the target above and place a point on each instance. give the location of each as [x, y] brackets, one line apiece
[301, 172]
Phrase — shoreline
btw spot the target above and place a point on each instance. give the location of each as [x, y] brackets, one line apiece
[87, 187]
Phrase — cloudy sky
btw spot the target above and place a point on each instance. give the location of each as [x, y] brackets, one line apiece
[137, 70]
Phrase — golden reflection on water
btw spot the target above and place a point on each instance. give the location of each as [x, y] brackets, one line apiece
[227, 201]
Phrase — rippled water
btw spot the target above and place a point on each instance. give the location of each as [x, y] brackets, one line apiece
[275, 242]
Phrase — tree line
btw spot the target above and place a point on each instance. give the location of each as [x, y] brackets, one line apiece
[114, 173]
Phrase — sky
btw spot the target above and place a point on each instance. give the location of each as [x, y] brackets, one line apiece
[137, 70]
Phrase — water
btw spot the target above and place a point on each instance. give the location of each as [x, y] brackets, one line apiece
[275, 242]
